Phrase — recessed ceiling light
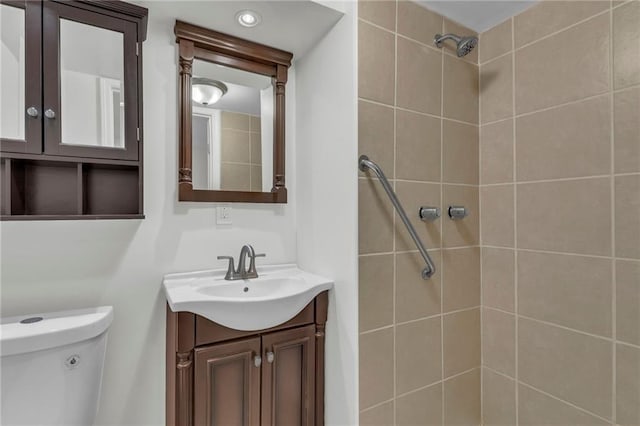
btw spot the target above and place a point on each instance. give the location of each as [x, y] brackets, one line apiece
[248, 18]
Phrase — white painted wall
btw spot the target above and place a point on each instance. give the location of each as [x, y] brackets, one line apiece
[326, 118]
[56, 265]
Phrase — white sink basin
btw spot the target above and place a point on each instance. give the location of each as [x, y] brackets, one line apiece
[276, 296]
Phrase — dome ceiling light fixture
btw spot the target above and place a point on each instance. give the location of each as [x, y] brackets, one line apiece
[206, 92]
[248, 18]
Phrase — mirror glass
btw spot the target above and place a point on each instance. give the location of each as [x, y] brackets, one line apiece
[12, 62]
[92, 83]
[232, 133]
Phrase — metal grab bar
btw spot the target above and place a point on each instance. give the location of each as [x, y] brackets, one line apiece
[363, 164]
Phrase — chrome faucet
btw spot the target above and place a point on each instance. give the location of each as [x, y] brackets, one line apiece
[242, 273]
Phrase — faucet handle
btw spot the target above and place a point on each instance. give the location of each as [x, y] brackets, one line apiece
[231, 268]
[260, 255]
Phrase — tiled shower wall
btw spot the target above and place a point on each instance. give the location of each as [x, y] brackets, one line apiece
[560, 215]
[418, 119]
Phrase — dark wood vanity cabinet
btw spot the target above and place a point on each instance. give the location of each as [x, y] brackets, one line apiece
[71, 126]
[219, 376]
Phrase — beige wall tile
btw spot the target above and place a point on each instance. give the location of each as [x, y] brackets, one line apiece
[570, 141]
[375, 218]
[375, 135]
[628, 385]
[626, 45]
[628, 216]
[553, 71]
[235, 177]
[376, 60]
[235, 120]
[417, 146]
[419, 77]
[465, 232]
[572, 366]
[461, 341]
[461, 278]
[550, 16]
[498, 278]
[423, 407]
[376, 367]
[498, 399]
[496, 152]
[496, 216]
[460, 97]
[415, 297]
[256, 148]
[628, 301]
[626, 110]
[496, 89]
[235, 146]
[535, 409]
[499, 341]
[255, 123]
[462, 399]
[455, 28]
[554, 216]
[460, 146]
[382, 415]
[413, 195]
[495, 42]
[375, 304]
[418, 354]
[418, 23]
[379, 12]
[573, 291]
[256, 179]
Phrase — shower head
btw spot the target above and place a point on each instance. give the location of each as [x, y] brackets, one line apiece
[464, 44]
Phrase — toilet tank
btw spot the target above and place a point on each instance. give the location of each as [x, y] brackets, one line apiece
[51, 367]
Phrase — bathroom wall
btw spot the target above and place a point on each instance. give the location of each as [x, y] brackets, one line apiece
[560, 222]
[418, 119]
[56, 265]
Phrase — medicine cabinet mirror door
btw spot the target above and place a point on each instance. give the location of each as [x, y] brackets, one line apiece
[90, 84]
[20, 65]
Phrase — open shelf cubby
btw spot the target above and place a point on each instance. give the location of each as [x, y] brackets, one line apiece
[43, 189]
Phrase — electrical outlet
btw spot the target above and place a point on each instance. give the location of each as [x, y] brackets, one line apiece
[223, 216]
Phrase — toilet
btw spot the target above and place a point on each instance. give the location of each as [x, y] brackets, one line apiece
[51, 366]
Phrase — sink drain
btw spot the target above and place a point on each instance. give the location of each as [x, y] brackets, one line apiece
[246, 289]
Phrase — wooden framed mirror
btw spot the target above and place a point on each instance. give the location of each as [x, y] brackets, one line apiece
[232, 118]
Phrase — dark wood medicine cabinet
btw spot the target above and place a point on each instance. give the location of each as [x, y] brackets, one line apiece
[219, 376]
[222, 55]
[71, 131]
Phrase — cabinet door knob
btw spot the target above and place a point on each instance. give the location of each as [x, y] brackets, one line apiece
[49, 113]
[32, 112]
[257, 360]
[270, 357]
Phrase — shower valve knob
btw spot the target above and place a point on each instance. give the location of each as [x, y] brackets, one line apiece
[429, 213]
[458, 212]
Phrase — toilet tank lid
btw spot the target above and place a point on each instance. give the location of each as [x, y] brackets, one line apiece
[53, 330]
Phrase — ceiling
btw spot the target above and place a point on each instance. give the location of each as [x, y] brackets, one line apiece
[478, 15]
[294, 26]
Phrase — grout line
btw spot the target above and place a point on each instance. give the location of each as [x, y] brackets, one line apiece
[480, 241]
[393, 221]
[500, 373]
[563, 401]
[552, 180]
[549, 108]
[613, 222]
[515, 217]
[413, 321]
[422, 113]
[626, 88]
[561, 253]
[442, 271]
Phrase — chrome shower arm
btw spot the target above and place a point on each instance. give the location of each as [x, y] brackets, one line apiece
[363, 164]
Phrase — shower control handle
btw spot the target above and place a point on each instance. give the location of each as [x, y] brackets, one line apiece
[457, 212]
[429, 213]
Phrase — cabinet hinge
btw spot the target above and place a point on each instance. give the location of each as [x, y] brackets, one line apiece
[138, 49]
[138, 133]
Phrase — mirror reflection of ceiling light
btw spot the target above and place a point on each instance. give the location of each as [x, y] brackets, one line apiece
[207, 92]
[248, 18]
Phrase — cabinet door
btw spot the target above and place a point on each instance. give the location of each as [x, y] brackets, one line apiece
[90, 83]
[21, 82]
[288, 377]
[227, 384]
